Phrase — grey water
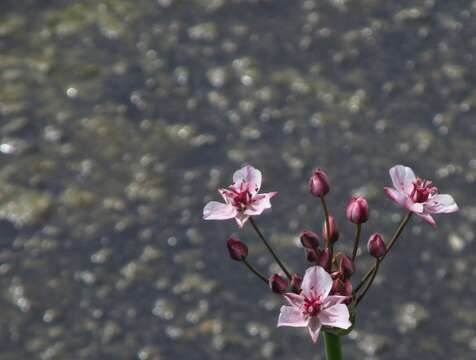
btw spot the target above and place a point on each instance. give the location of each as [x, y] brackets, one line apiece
[120, 119]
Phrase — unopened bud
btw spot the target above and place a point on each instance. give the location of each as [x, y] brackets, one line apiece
[309, 239]
[346, 266]
[237, 250]
[357, 210]
[296, 281]
[278, 284]
[376, 246]
[334, 231]
[312, 255]
[319, 183]
[323, 259]
[337, 287]
[347, 288]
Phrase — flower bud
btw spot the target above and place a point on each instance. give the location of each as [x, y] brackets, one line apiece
[347, 289]
[357, 210]
[278, 284]
[337, 287]
[334, 233]
[296, 281]
[309, 239]
[312, 255]
[376, 246]
[346, 266]
[319, 183]
[237, 250]
[323, 259]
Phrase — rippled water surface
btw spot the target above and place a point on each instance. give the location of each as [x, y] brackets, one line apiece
[119, 119]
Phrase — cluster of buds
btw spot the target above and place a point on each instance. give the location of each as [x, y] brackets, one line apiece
[325, 296]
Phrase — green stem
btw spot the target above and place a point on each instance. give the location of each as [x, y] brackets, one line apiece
[270, 249]
[254, 271]
[328, 231]
[369, 284]
[356, 241]
[333, 347]
[402, 225]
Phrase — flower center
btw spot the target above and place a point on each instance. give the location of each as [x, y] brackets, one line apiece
[242, 197]
[312, 307]
[422, 190]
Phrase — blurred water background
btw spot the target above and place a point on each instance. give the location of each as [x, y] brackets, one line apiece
[119, 120]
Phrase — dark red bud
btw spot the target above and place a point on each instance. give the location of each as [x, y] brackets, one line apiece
[296, 281]
[312, 255]
[347, 289]
[357, 210]
[337, 287]
[319, 183]
[376, 246]
[334, 233]
[346, 266]
[309, 239]
[237, 250]
[323, 259]
[278, 284]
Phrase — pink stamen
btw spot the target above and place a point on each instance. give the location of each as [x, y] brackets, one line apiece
[422, 190]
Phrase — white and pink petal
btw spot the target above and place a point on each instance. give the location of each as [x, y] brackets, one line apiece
[316, 282]
[215, 210]
[314, 327]
[336, 316]
[291, 316]
[248, 174]
[402, 178]
[441, 203]
[260, 203]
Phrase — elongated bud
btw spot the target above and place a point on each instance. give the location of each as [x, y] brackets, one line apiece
[323, 260]
[237, 250]
[309, 239]
[278, 284]
[357, 210]
[376, 246]
[319, 183]
[347, 290]
[346, 266]
[334, 233]
[337, 287]
[312, 255]
[296, 281]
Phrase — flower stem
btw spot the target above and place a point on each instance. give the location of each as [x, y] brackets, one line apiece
[333, 347]
[356, 241]
[254, 271]
[328, 231]
[369, 284]
[265, 242]
[397, 233]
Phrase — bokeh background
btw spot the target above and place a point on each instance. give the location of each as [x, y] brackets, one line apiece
[119, 120]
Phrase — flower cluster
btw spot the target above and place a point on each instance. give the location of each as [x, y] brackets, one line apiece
[325, 298]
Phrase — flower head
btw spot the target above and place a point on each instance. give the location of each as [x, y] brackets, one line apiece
[313, 307]
[417, 195]
[241, 198]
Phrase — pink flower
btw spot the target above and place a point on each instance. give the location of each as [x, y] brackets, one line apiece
[417, 195]
[241, 198]
[314, 307]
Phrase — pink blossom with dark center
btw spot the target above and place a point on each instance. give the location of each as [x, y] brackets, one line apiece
[313, 307]
[241, 198]
[417, 195]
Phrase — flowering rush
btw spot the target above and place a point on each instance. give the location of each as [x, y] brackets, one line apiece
[241, 198]
[417, 195]
[326, 299]
[313, 306]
